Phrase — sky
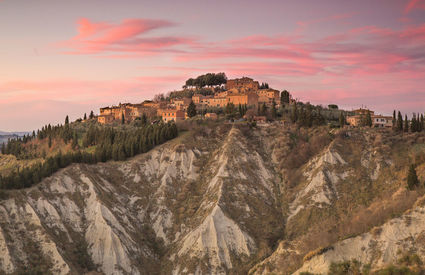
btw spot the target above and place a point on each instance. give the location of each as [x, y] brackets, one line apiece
[61, 58]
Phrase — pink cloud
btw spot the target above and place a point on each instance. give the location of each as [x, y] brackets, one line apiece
[413, 4]
[127, 36]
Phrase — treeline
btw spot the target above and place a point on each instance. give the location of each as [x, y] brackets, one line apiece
[209, 79]
[15, 146]
[110, 144]
[416, 124]
[307, 115]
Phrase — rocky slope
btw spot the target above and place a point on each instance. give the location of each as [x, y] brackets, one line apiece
[222, 199]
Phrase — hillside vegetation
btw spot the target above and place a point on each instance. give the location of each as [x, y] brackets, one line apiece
[29, 159]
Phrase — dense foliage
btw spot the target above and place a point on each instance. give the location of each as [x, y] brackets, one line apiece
[191, 110]
[417, 123]
[110, 143]
[284, 97]
[209, 79]
[307, 115]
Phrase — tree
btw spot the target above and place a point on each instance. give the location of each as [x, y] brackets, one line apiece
[209, 79]
[412, 178]
[191, 109]
[413, 124]
[422, 123]
[294, 114]
[284, 97]
[74, 140]
[399, 122]
[85, 116]
[66, 120]
[263, 110]
[144, 119]
[50, 141]
[264, 85]
[274, 111]
[394, 121]
[91, 115]
[230, 110]
[333, 106]
[406, 124]
[122, 118]
[368, 119]
[341, 120]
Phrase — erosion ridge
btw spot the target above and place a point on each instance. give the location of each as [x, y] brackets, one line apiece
[221, 199]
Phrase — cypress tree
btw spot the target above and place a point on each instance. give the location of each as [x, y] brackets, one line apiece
[394, 121]
[294, 115]
[399, 122]
[412, 178]
[368, 119]
[191, 109]
[85, 116]
[74, 140]
[274, 111]
[406, 124]
[341, 120]
[413, 124]
[422, 123]
[122, 119]
[284, 97]
[66, 120]
[91, 115]
[144, 119]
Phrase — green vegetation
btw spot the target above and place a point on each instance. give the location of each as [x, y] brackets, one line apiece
[307, 115]
[97, 144]
[264, 85]
[399, 126]
[209, 79]
[408, 264]
[284, 97]
[191, 110]
[412, 178]
[366, 120]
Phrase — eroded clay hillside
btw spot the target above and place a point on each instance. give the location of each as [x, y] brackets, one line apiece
[223, 199]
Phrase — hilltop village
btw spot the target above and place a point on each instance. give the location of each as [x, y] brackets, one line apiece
[240, 92]
[244, 94]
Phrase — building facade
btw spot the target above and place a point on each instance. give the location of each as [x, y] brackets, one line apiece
[268, 96]
[172, 115]
[242, 84]
[248, 99]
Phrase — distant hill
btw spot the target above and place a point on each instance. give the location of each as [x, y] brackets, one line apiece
[5, 136]
[3, 133]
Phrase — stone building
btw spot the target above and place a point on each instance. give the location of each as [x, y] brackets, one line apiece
[172, 115]
[378, 121]
[242, 84]
[201, 99]
[217, 102]
[105, 119]
[268, 95]
[248, 99]
[181, 103]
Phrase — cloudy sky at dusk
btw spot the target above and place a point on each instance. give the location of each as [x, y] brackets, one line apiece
[70, 57]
